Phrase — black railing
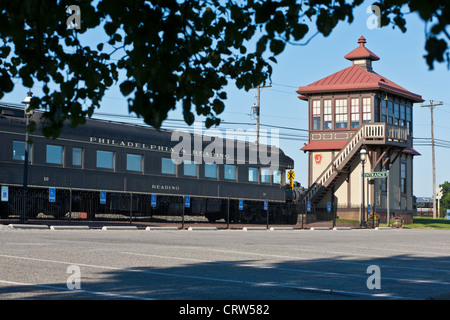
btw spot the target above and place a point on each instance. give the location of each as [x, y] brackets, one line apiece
[125, 206]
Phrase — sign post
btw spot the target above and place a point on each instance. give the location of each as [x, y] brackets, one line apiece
[51, 195]
[187, 204]
[187, 201]
[102, 197]
[266, 207]
[154, 199]
[5, 193]
[382, 175]
[291, 176]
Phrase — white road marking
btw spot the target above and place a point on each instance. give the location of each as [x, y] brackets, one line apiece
[240, 282]
[293, 270]
[45, 286]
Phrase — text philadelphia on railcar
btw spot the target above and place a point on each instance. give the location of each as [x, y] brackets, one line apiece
[135, 166]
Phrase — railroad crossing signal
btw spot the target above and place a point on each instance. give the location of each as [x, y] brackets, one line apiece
[291, 176]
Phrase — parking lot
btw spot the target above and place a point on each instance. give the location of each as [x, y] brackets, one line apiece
[224, 264]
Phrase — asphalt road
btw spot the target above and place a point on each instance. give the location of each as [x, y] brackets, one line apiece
[229, 265]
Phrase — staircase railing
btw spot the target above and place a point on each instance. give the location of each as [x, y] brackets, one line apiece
[369, 131]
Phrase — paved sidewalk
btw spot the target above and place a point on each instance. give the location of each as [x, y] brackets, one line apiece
[98, 224]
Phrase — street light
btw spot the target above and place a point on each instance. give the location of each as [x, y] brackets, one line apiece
[362, 156]
[27, 114]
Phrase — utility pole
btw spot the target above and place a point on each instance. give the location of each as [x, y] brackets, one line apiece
[431, 106]
[258, 104]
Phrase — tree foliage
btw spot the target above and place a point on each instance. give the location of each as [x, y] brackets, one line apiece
[167, 54]
[445, 200]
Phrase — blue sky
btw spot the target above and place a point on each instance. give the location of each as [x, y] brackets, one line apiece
[401, 60]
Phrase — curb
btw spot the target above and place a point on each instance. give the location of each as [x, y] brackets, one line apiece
[383, 228]
[253, 228]
[319, 228]
[28, 226]
[342, 228]
[161, 228]
[280, 228]
[69, 227]
[120, 228]
[202, 228]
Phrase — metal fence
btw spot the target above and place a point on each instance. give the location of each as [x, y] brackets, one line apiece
[68, 204]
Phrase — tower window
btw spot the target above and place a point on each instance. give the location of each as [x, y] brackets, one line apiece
[316, 115]
[327, 116]
[341, 113]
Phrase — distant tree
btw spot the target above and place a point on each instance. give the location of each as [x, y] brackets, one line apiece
[445, 200]
[170, 53]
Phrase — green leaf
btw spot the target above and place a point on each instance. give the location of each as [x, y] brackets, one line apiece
[276, 46]
[299, 31]
[127, 87]
[218, 106]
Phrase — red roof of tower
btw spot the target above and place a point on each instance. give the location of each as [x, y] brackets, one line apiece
[357, 78]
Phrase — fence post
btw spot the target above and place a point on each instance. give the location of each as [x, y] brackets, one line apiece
[182, 221]
[70, 205]
[131, 206]
[228, 214]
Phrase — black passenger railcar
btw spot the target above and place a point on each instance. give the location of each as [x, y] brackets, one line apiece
[132, 163]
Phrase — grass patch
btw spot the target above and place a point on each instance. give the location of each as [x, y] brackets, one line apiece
[354, 222]
[418, 223]
[428, 223]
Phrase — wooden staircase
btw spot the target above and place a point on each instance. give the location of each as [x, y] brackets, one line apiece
[368, 134]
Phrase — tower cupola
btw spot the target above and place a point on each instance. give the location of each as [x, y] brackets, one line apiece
[362, 56]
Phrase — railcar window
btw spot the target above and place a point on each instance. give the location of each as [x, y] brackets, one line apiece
[211, 170]
[277, 177]
[265, 175]
[190, 168]
[134, 162]
[105, 159]
[168, 166]
[19, 151]
[229, 172]
[54, 154]
[77, 157]
[253, 174]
